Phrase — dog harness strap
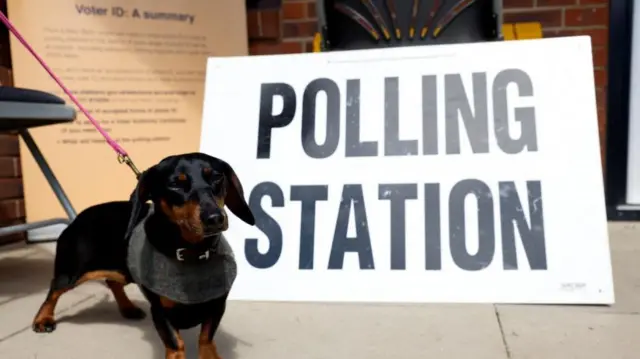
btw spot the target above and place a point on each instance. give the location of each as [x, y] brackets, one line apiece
[186, 282]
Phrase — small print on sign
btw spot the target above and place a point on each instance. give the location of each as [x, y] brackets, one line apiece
[411, 175]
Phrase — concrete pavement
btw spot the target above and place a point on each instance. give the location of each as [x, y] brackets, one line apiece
[90, 326]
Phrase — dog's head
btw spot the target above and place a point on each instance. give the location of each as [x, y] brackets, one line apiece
[191, 190]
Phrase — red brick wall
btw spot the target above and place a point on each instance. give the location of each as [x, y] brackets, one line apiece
[284, 31]
[572, 17]
[11, 196]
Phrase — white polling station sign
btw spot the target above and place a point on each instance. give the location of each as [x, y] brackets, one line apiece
[456, 173]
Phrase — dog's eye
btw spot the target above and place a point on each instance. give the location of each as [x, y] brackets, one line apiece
[180, 182]
[217, 178]
[176, 185]
[209, 175]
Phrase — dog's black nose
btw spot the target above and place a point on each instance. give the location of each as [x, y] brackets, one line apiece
[215, 219]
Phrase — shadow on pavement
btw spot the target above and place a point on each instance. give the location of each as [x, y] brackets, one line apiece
[106, 311]
[23, 275]
[25, 270]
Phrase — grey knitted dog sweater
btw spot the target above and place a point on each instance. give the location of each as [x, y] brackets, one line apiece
[186, 282]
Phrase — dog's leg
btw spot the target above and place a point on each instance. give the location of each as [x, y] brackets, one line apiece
[127, 308]
[170, 336]
[44, 321]
[206, 344]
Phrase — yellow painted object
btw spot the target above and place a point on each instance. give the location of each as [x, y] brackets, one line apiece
[512, 31]
[528, 30]
[317, 41]
[508, 32]
[522, 31]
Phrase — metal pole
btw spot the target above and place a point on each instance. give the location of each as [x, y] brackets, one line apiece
[48, 173]
[322, 23]
[497, 10]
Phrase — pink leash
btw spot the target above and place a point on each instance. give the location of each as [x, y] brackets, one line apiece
[123, 157]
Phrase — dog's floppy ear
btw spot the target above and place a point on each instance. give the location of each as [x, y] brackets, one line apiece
[139, 197]
[235, 196]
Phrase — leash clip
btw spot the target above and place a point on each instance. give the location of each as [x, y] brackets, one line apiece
[127, 160]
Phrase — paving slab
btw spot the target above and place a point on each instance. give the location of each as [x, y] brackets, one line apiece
[93, 329]
[584, 332]
[561, 333]
[90, 326]
[322, 331]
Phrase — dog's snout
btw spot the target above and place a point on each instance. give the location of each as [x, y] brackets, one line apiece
[215, 219]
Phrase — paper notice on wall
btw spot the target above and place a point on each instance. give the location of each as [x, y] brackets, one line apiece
[138, 67]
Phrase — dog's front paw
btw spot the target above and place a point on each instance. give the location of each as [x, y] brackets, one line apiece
[133, 313]
[208, 351]
[44, 325]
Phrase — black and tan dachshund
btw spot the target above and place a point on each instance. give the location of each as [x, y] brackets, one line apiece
[184, 224]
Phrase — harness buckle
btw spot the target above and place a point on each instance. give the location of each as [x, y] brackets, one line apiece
[204, 256]
[179, 256]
